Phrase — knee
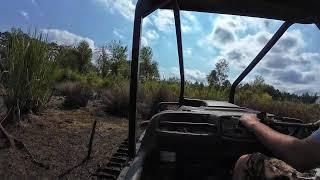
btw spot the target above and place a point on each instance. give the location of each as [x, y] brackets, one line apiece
[240, 168]
[241, 163]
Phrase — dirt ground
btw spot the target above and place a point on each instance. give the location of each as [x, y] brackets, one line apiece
[59, 138]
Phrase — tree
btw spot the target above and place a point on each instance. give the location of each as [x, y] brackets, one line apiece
[222, 68]
[148, 67]
[218, 76]
[84, 56]
[74, 58]
[118, 58]
[212, 78]
[67, 58]
[103, 62]
[259, 80]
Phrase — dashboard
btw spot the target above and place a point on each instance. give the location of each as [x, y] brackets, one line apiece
[207, 129]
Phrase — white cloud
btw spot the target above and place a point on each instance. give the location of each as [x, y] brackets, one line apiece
[191, 75]
[24, 14]
[117, 33]
[226, 30]
[64, 37]
[287, 64]
[124, 7]
[189, 22]
[164, 21]
[148, 37]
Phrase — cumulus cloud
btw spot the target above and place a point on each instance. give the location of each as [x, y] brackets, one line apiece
[117, 33]
[240, 39]
[191, 75]
[123, 7]
[64, 37]
[195, 75]
[293, 76]
[25, 14]
[164, 21]
[148, 37]
[226, 29]
[189, 22]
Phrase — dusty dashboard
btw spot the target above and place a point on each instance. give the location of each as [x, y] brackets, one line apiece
[205, 127]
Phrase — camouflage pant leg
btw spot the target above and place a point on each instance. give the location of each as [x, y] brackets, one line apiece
[261, 167]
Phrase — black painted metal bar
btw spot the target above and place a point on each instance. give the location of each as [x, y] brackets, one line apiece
[153, 7]
[180, 53]
[141, 11]
[134, 85]
[284, 27]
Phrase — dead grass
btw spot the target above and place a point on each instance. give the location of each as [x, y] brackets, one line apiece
[59, 138]
[77, 95]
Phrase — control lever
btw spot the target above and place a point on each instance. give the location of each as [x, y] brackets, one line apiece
[264, 118]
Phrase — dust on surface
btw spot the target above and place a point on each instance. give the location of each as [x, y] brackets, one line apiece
[59, 138]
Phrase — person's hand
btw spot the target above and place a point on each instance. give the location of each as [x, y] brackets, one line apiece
[249, 120]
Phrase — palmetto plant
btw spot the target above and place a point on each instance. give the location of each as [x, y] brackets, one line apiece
[29, 66]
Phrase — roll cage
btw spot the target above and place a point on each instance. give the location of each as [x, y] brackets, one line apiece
[289, 11]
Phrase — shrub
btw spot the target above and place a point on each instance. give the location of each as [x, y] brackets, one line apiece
[65, 75]
[151, 97]
[76, 95]
[29, 66]
[116, 100]
[93, 80]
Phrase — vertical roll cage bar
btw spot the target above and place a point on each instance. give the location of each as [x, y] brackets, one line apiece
[144, 11]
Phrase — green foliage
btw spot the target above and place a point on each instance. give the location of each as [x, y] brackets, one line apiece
[148, 67]
[112, 60]
[92, 79]
[75, 58]
[103, 62]
[28, 66]
[218, 76]
[84, 53]
[68, 58]
[118, 59]
[63, 75]
[212, 78]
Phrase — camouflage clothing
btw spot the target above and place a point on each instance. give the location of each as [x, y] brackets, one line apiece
[261, 167]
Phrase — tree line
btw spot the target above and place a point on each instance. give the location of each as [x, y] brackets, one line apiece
[111, 60]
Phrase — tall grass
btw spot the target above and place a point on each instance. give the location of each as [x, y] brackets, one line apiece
[29, 68]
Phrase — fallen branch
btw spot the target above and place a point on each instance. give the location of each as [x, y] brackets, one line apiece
[91, 139]
[93, 130]
[6, 116]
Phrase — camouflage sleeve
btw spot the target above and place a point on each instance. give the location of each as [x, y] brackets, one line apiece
[261, 167]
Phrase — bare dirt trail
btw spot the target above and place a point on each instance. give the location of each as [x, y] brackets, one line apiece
[59, 138]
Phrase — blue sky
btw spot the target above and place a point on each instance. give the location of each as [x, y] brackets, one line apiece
[292, 65]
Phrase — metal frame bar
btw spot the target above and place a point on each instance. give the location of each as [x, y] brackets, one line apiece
[180, 52]
[143, 11]
[134, 85]
[284, 27]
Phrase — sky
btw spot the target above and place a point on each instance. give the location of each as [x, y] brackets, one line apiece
[293, 64]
